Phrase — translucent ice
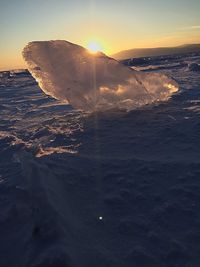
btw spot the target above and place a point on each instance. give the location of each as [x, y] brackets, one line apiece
[88, 81]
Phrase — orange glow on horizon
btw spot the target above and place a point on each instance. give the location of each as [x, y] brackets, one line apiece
[13, 59]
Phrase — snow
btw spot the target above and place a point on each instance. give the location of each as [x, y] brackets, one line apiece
[91, 82]
[62, 170]
[194, 67]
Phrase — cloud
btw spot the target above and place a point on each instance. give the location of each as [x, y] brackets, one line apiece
[194, 27]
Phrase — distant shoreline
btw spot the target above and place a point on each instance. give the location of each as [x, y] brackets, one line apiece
[159, 51]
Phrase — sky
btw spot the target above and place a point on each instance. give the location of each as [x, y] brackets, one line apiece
[115, 24]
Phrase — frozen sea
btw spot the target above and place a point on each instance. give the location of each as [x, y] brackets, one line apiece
[103, 189]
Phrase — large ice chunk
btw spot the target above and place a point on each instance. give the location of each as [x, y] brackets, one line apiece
[89, 81]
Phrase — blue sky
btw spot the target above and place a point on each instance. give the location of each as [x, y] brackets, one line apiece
[118, 24]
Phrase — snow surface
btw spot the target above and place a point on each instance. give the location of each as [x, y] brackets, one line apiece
[62, 170]
[89, 81]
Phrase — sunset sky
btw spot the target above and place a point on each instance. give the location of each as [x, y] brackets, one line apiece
[115, 24]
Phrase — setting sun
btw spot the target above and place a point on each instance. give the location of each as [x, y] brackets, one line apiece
[94, 47]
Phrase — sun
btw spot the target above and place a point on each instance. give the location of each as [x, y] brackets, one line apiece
[94, 47]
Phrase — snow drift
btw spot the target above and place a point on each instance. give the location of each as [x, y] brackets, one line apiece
[91, 82]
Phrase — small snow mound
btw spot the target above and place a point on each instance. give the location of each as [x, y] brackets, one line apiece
[194, 67]
[56, 261]
[92, 82]
[4, 74]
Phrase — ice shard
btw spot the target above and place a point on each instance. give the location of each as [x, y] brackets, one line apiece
[92, 82]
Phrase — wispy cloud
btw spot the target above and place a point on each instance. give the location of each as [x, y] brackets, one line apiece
[194, 27]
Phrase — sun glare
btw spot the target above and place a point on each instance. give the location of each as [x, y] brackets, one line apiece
[94, 47]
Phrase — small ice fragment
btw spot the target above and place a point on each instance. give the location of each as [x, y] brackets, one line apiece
[1, 179]
[172, 117]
